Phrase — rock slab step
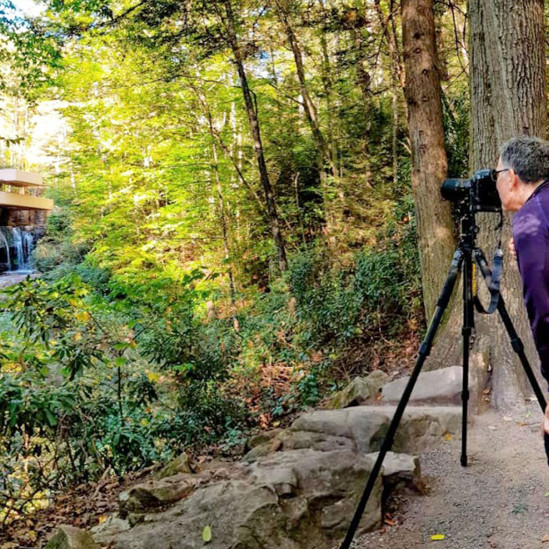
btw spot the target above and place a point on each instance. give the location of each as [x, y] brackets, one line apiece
[435, 387]
[365, 427]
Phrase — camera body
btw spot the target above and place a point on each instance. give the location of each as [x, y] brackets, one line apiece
[479, 193]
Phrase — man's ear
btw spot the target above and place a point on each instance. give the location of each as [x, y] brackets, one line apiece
[515, 181]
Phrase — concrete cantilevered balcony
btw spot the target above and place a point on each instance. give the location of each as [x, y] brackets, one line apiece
[20, 191]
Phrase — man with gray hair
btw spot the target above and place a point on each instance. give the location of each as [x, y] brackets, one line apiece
[522, 182]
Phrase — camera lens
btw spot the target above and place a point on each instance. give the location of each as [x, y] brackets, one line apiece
[455, 190]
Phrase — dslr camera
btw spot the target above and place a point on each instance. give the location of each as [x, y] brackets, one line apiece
[478, 194]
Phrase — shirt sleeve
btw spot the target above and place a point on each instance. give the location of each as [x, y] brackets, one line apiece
[531, 238]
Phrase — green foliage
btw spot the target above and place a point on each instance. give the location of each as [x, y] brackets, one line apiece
[373, 297]
[456, 133]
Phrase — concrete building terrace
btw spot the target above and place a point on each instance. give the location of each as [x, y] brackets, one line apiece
[21, 190]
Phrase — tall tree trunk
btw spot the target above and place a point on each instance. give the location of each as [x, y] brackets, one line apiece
[423, 95]
[507, 51]
[256, 137]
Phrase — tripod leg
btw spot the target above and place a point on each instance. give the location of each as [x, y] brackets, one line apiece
[424, 351]
[516, 342]
[467, 329]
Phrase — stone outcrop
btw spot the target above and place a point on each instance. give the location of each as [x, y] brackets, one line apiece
[182, 464]
[363, 429]
[300, 498]
[295, 489]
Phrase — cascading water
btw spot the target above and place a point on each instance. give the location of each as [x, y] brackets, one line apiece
[19, 245]
[28, 246]
[22, 244]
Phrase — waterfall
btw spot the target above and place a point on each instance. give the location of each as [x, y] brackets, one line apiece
[4, 242]
[22, 243]
[28, 246]
[19, 245]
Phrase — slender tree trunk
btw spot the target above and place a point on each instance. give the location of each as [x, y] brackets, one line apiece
[397, 79]
[323, 157]
[507, 51]
[364, 81]
[423, 95]
[308, 105]
[256, 137]
[224, 230]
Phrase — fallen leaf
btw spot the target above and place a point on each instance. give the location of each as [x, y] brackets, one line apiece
[448, 436]
[207, 534]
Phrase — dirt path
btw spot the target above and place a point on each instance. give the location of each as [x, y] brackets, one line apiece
[498, 502]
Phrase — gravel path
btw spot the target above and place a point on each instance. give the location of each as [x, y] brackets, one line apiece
[498, 502]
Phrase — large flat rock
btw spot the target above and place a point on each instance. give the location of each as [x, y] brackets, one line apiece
[366, 426]
[435, 387]
[287, 500]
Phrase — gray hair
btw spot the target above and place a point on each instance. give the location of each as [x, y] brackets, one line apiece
[528, 157]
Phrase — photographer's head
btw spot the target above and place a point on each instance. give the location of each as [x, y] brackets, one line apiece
[523, 165]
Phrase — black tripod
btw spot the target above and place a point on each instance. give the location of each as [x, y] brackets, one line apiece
[464, 255]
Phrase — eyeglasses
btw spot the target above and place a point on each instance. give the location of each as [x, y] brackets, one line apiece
[494, 174]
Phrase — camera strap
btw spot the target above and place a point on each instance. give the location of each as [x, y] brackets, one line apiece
[493, 280]
[493, 283]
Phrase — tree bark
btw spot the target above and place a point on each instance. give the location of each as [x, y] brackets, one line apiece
[508, 97]
[256, 137]
[423, 96]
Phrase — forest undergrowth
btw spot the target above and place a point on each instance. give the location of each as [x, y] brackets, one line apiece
[105, 376]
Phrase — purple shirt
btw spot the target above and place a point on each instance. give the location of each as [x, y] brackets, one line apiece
[531, 236]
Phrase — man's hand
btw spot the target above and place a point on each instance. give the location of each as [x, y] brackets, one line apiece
[511, 248]
[545, 423]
